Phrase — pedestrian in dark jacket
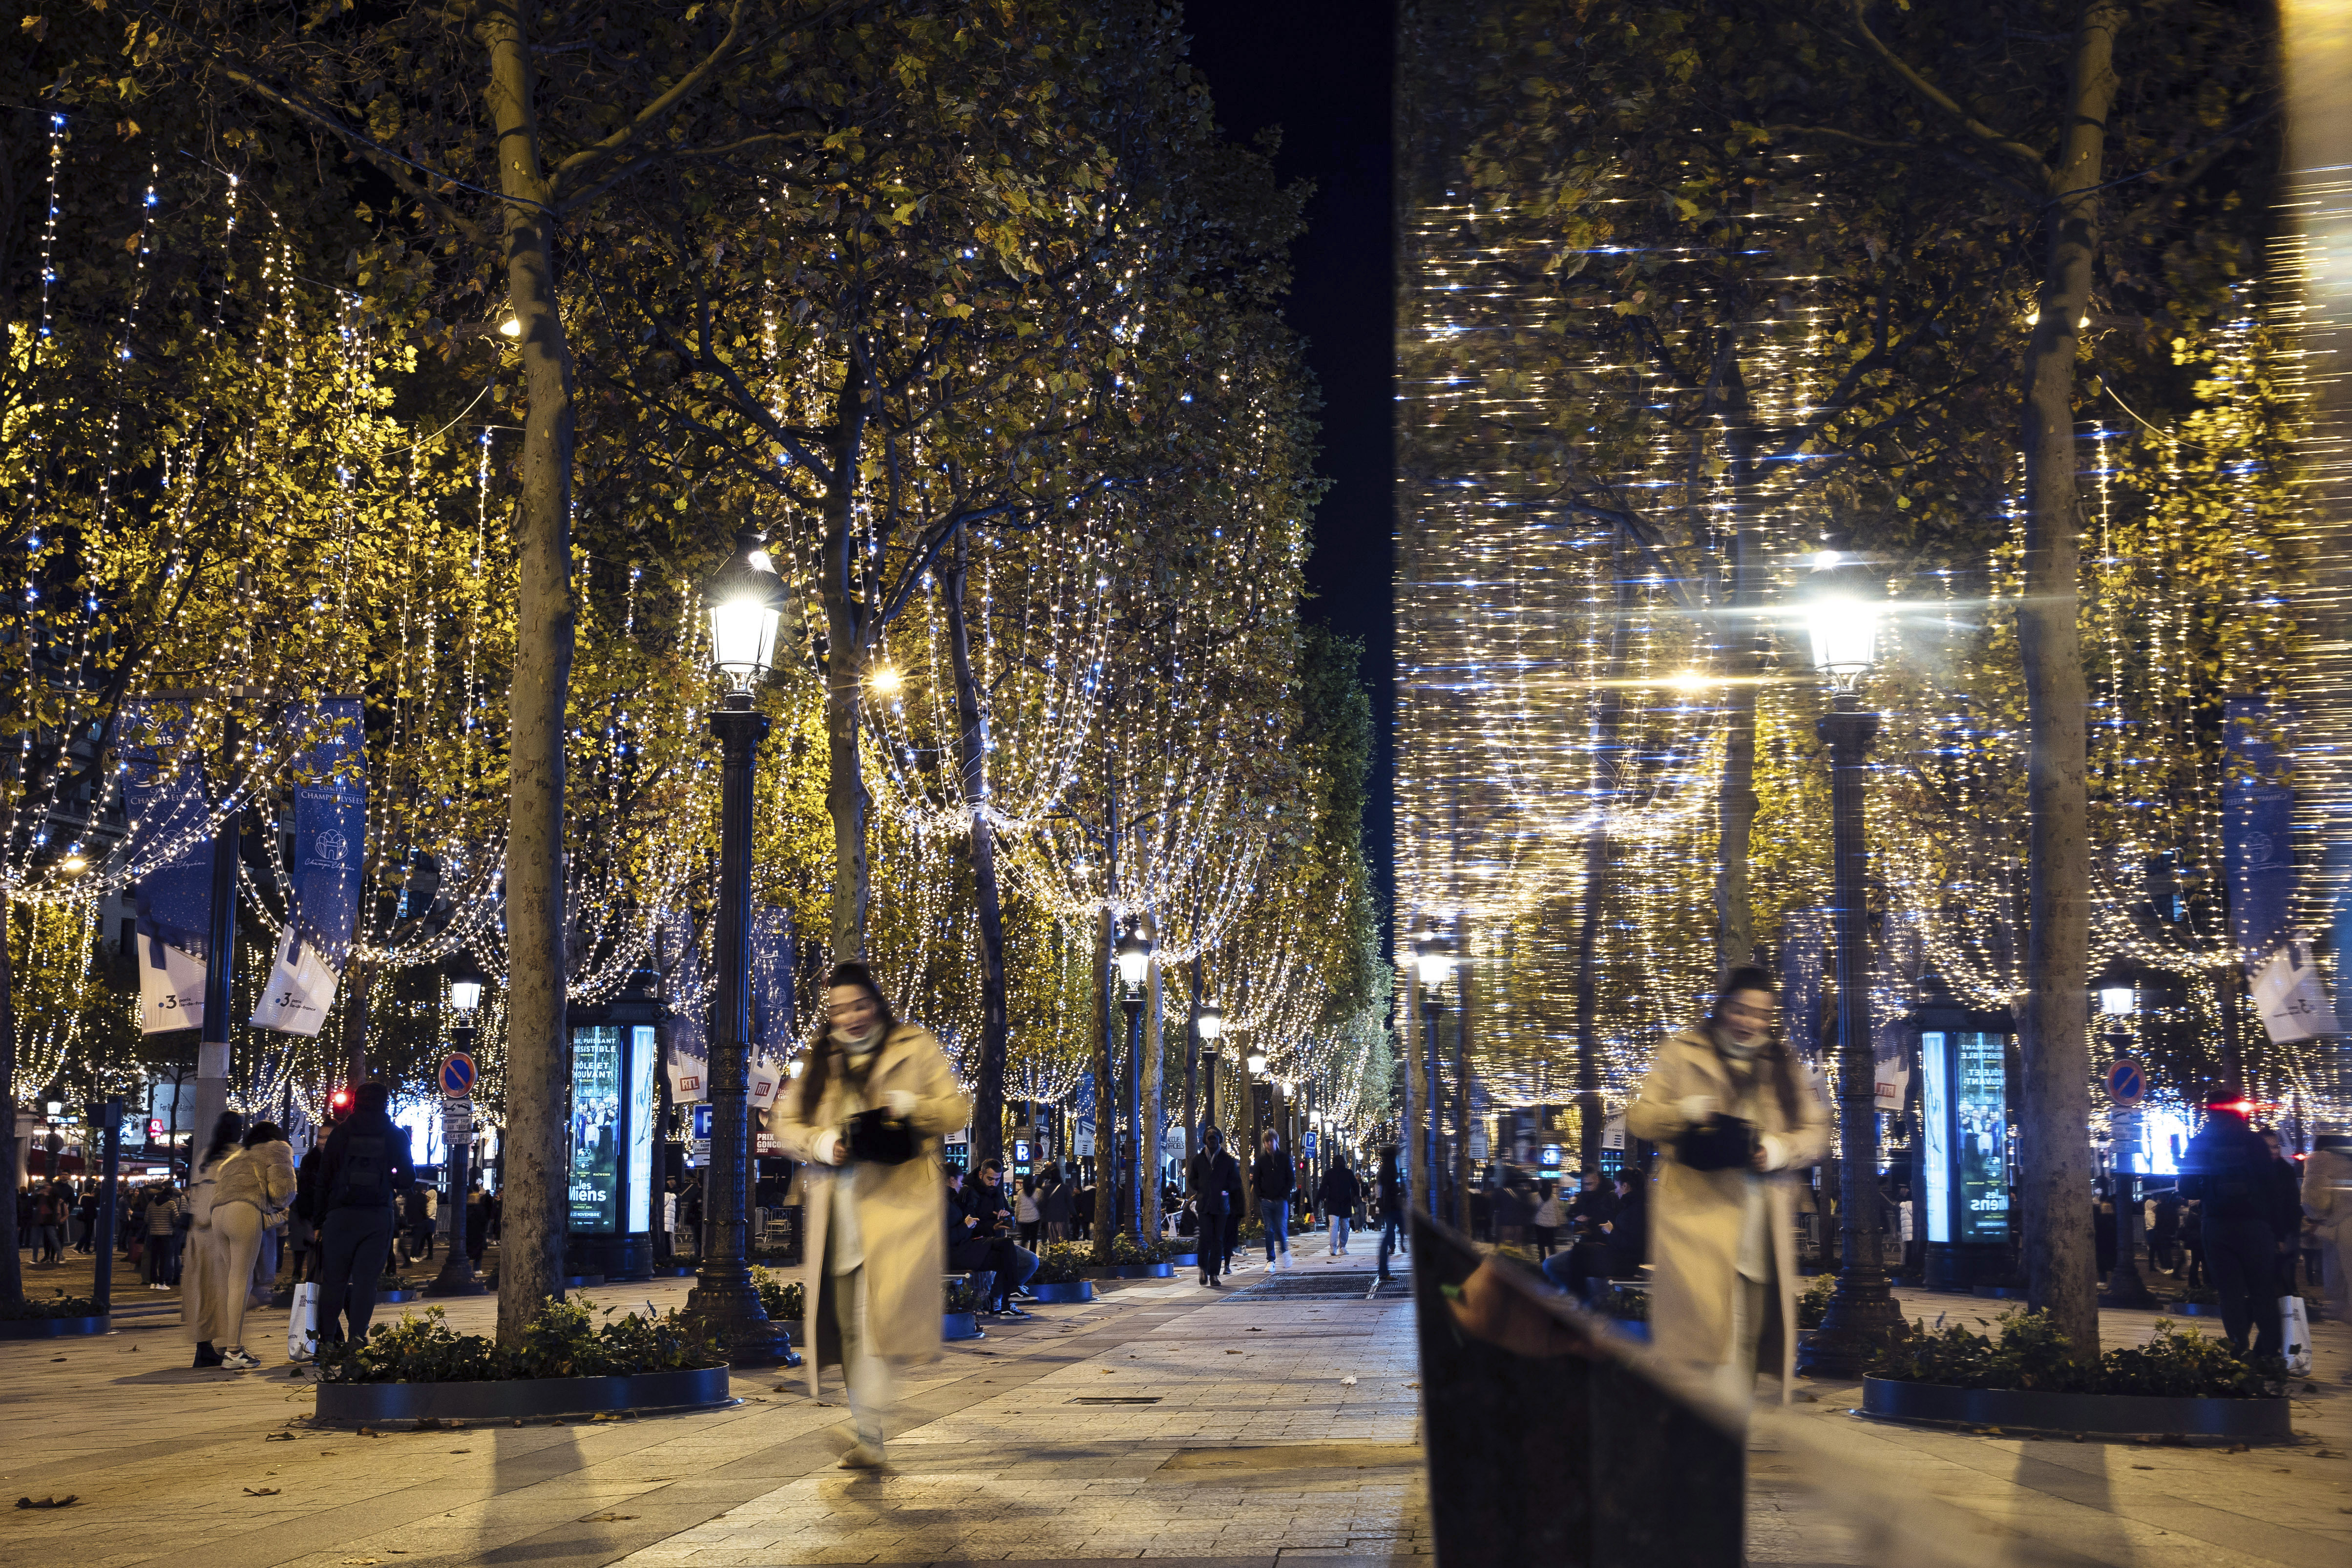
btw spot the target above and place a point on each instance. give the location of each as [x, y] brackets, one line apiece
[1215, 1179]
[2227, 1169]
[364, 1170]
[1054, 1206]
[1390, 1191]
[1628, 1228]
[1271, 1179]
[1340, 1195]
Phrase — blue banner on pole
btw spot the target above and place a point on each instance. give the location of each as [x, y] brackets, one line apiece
[2257, 830]
[170, 852]
[330, 777]
[772, 1012]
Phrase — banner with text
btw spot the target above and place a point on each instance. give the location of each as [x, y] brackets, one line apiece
[164, 801]
[330, 836]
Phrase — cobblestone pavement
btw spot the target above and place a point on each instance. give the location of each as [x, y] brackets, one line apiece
[1159, 1422]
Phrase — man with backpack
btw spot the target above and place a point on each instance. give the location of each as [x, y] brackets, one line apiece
[364, 1170]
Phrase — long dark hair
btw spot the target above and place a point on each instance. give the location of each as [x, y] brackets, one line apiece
[227, 1134]
[1778, 1059]
[819, 1073]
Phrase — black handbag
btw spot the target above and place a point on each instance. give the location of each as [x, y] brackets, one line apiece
[875, 1138]
[1718, 1144]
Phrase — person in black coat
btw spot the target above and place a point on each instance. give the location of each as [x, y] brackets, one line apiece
[1216, 1181]
[1388, 1186]
[2227, 1168]
[364, 1170]
[1628, 1230]
[1340, 1195]
[1271, 1179]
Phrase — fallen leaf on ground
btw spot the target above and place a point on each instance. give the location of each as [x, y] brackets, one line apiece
[54, 1359]
[2143, 1467]
[261, 1491]
[1232, 1353]
[461, 1450]
[609, 1518]
[278, 1437]
[1351, 1383]
[66, 1501]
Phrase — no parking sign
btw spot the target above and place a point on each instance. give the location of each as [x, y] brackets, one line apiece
[457, 1075]
[2126, 1082]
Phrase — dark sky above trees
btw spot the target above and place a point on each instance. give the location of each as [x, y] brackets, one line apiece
[1321, 69]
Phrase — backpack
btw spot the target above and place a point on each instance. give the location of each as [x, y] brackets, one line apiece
[364, 1174]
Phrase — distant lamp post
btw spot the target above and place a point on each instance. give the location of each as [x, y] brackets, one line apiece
[456, 1275]
[747, 604]
[1841, 607]
[1432, 960]
[1133, 954]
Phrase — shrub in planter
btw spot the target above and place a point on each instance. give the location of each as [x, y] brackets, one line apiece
[1813, 1301]
[957, 1292]
[1625, 1304]
[1127, 1251]
[60, 1305]
[564, 1341]
[780, 1299]
[1061, 1262]
[2028, 1354]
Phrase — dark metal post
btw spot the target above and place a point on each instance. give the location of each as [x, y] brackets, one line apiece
[1193, 1070]
[1430, 1007]
[456, 1275]
[1130, 1213]
[1862, 1315]
[724, 1298]
[106, 1116]
[220, 970]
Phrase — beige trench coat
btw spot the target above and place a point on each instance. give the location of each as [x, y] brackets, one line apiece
[1694, 1217]
[901, 1210]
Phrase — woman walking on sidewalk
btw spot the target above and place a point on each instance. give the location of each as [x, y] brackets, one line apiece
[206, 1261]
[1390, 1188]
[1341, 1192]
[1734, 1117]
[251, 1189]
[1271, 1178]
[867, 1116]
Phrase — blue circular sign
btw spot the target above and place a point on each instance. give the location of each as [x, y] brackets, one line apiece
[457, 1075]
[2126, 1082]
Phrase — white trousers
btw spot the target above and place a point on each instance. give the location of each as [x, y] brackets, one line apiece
[866, 1374]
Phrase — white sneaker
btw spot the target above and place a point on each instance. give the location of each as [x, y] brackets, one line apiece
[238, 1361]
[863, 1457]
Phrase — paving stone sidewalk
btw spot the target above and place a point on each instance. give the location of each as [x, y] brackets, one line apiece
[1163, 1421]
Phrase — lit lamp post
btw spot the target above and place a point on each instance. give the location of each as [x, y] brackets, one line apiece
[1209, 1023]
[456, 1276]
[1841, 614]
[747, 607]
[1432, 960]
[1258, 1111]
[1134, 956]
[2118, 999]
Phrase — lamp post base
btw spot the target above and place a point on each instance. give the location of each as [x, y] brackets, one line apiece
[456, 1279]
[1863, 1318]
[733, 1316]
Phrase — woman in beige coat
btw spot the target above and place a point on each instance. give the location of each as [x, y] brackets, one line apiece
[875, 1227]
[251, 1189]
[1723, 1291]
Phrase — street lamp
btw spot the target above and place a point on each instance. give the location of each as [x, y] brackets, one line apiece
[1134, 957]
[456, 1275]
[1432, 960]
[1208, 1027]
[747, 604]
[1842, 606]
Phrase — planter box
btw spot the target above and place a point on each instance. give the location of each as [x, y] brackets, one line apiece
[392, 1298]
[1131, 1271]
[961, 1325]
[51, 1328]
[2246, 1419]
[361, 1404]
[1184, 1261]
[1632, 1328]
[2192, 1309]
[1071, 1290]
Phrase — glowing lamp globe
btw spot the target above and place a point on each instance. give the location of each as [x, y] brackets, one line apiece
[1211, 1022]
[1431, 961]
[747, 607]
[1842, 609]
[1255, 1061]
[1134, 955]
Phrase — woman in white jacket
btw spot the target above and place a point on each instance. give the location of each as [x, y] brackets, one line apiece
[1735, 1117]
[202, 1266]
[251, 1189]
[866, 1115]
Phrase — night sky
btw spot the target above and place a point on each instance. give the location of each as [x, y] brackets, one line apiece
[1320, 69]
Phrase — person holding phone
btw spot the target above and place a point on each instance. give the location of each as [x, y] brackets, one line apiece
[1735, 1118]
[867, 1117]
